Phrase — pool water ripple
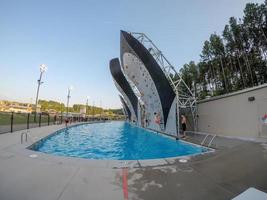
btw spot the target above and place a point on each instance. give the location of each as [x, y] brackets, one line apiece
[114, 141]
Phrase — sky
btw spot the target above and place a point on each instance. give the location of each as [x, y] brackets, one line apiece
[76, 40]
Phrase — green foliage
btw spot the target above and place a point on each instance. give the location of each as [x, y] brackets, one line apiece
[116, 111]
[51, 105]
[5, 118]
[235, 60]
[48, 106]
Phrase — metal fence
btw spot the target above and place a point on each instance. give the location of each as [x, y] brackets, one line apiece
[10, 121]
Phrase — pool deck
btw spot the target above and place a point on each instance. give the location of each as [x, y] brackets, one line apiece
[235, 166]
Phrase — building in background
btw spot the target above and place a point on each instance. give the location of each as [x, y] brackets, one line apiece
[17, 107]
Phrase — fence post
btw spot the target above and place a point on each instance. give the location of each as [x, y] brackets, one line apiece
[61, 119]
[11, 120]
[55, 119]
[40, 118]
[28, 120]
[48, 120]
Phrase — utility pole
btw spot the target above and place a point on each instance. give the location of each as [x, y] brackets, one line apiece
[43, 69]
[68, 99]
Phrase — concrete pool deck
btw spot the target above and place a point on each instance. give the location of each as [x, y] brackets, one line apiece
[235, 166]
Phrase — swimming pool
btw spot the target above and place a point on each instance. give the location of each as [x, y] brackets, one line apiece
[113, 141]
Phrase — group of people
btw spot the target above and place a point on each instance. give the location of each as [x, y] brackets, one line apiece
[183, 122]
[157, 119]
[68, 121]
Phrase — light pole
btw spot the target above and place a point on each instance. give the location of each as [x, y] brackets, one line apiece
[100, 109]
[86, 107]
[87, 102]
[43, 68]
[93, 110]
[68, 99]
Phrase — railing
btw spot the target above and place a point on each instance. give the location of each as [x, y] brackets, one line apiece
[11, 121]
[21, 137]
[212, 137]
[203, 141]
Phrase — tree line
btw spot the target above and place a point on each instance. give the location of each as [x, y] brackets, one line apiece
[234, 60]
[47, 106]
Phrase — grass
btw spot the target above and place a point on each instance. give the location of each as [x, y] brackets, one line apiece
[5, 118]
[21, 118]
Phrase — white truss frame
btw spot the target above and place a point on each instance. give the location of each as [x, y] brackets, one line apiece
[185, 99]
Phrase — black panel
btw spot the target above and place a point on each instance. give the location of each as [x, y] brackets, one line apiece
[119, 77]
[126, 108]
[162, 84]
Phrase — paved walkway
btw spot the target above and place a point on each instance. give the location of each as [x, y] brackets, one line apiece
[235, 166]
[17, 127]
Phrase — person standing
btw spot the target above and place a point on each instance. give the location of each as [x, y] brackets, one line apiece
[183, 122]
[157, 118]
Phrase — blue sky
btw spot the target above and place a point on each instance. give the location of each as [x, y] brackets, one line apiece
[77, 38]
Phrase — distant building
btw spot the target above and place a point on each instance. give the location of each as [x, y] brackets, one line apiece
[52, 111]
[83, 111]
[8, 106]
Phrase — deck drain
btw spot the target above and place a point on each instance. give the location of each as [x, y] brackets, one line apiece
[33, 156]
[183, 161]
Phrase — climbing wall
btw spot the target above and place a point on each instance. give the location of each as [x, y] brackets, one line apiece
[138, 74]
[128, 102]
[172, 119]
[129, 98]
[155, 91]
[125, 109]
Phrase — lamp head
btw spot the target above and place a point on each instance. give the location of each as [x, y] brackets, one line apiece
[71, 87]
[43, 68]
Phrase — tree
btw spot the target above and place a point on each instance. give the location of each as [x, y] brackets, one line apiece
[235, 60]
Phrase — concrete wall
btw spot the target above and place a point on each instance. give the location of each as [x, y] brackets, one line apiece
[234, 114]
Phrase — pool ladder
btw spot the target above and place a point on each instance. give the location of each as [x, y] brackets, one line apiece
[26, 137]
[206, 138]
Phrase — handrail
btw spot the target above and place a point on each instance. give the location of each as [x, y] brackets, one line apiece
[211, 140]
[21, 137]
[203, 141]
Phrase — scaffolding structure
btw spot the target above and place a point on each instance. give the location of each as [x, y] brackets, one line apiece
[184, 96]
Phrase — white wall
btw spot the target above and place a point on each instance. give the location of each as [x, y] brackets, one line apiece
[234, 115]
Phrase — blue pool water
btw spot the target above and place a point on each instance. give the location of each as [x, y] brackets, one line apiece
[114, 141]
